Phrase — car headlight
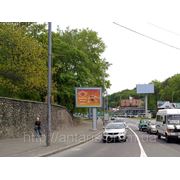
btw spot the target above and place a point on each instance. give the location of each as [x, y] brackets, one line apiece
[153, 126]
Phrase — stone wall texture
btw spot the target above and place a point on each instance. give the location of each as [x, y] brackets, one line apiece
[18, 116]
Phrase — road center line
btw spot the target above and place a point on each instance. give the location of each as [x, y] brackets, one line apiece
[142, 154]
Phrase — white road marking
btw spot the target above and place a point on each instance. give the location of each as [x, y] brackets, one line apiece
[143, 154]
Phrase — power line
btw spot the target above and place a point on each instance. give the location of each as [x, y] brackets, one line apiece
[164, 29]
[149, 37]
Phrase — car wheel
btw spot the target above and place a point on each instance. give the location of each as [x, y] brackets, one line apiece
[109, 140]
[158, 135]
[104, 141]
[124, 140]
[168, 139]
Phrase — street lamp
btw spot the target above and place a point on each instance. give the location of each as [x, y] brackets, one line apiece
[107, 103]
[48, 129]
[104, 102]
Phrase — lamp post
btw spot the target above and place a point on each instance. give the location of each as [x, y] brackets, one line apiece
[104, 103]
[48, 129]
[107, 103]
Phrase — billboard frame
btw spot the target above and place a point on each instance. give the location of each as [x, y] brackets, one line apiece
[88, 88]
[145, 88]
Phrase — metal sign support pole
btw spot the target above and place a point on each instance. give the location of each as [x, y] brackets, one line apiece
[94, 121]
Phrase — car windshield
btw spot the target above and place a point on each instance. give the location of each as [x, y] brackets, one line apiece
[119, 120]
[115, 126]
[173, 119]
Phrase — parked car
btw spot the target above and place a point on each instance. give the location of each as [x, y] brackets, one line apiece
[143, 124]
[151, 128]
[114, 131]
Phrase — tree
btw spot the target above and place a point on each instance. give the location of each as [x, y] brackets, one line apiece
[77, 63]
[22, 64]
[171, 88]
[76, 55]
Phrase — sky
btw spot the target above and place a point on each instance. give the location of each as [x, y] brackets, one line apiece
[135, 59]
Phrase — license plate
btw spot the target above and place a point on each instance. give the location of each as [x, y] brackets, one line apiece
[113, 136]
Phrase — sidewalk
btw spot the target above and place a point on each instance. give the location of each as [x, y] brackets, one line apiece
[29, 146]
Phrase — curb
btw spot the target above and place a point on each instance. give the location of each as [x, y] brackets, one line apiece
[67, 147]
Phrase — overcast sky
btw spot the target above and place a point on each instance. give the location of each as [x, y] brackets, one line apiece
[134, 58]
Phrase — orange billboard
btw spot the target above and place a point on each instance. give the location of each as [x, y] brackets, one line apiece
[88, 97]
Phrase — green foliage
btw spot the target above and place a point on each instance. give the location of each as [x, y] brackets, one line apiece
[168, 90]
[76, 57]
[114, 99]
[171, 89]
[23, 71]
[77, 63]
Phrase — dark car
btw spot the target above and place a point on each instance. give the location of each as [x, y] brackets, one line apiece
[113, 118]
[143, 125]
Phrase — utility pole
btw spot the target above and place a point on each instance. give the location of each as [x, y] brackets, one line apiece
[104, 100]
[104, 103]
[48, 129]
[146, 105]
[107, 103]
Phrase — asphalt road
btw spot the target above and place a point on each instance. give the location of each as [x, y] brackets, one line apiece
[138, 144]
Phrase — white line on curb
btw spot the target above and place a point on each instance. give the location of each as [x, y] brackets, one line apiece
[143, 154]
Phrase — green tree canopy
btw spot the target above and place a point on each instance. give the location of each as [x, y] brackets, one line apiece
[78, 63]
[22, 64]
[76, 56]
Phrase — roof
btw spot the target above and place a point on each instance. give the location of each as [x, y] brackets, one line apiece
[166, 105]
[169, 111]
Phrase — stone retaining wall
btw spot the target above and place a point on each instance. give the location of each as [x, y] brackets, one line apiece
[18, 116]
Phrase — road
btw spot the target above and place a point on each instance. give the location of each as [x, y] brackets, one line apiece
[138, 144]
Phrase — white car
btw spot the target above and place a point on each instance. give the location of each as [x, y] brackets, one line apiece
[114, 131]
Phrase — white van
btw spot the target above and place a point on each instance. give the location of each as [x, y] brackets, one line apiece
[168, 124]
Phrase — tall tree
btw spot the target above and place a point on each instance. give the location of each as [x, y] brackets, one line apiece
[22, 64]
[77, 62]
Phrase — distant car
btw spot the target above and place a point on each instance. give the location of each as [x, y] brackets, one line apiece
[151, 128]
[113, 118]
[120, 120]
[143, 124]
[114, 131]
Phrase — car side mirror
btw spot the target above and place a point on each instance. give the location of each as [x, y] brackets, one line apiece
[164, 122]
